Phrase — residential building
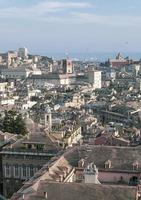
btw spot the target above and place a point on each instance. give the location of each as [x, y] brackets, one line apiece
[15, 73]
[23, 53]
[94, 78]
[22, 159]
[77, 168]
[119, 62]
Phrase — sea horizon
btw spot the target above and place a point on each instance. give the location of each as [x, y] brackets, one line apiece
[92, 56]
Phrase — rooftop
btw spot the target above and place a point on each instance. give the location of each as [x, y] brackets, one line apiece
[75, 191]
[122, 158]
[36, 143]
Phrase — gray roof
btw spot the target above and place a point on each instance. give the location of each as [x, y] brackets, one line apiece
[45, 76]
[75, 191]
[122, 158]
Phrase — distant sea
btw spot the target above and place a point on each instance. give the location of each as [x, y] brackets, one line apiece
[101, 57]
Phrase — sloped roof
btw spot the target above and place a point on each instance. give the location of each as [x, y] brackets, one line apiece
[75, 191]
[122, 158]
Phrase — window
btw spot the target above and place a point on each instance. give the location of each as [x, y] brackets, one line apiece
[40, 146]
[16, 171]
[45, 195]
[28, 171]
[23, 170]
[39, 167]
[35, 169]
[31, 170]
[7, 170]
[29, 146]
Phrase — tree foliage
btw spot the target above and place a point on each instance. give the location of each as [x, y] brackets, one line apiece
[13, 123]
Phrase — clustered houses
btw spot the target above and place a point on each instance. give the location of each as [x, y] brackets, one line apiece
[101, 170]
[83, 126]
[23, 158]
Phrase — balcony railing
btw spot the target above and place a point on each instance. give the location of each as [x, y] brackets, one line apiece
[21, 151]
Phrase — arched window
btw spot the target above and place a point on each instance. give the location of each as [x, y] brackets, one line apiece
[47, 118]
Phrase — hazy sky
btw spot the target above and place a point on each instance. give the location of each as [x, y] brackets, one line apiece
[73, 26]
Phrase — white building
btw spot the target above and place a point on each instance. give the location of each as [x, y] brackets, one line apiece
[24, 105]
[56, 79]
[94, 78]
[7, 101]
[15, 73]
[23, 53]
[36, 71]
[3, 86]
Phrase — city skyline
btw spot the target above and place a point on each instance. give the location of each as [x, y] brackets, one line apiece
[73, 26]
[70, 99]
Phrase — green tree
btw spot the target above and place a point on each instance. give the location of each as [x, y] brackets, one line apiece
[20, 126]
[8, 121]
[14, 123]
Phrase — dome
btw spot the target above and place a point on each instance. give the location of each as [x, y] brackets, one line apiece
[29, 123]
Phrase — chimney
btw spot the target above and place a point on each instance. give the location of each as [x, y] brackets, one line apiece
[91, 174]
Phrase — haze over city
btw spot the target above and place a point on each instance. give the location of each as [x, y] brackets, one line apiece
[70, 100]
[55, 26]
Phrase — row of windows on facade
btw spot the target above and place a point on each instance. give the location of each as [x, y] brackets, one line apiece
[25, 157]
[15, 76]
[19, 171]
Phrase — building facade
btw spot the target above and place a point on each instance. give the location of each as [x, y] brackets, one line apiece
[94, 78]
[23, 53]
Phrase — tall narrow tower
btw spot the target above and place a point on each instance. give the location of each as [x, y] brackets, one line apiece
[48, 118]
[67, 66]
